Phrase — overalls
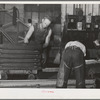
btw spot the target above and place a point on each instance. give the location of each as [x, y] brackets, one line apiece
[39, 37]
[72, 59]
[39, 34]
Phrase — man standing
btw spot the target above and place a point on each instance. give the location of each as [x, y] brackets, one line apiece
[72, 59]
[41, 32]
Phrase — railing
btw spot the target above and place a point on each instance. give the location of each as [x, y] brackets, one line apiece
[8, 22]
[7, 36]
[18, 19]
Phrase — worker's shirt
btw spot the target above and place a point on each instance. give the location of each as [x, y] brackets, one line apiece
[77, 44]
[29, 24]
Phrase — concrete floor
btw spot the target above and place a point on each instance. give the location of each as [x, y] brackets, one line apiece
[45, 80]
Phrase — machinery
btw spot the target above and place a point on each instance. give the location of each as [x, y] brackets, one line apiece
[15, 56]
[86, 30]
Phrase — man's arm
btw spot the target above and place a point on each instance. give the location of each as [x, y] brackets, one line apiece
[47, 40]
[84, 51]
[29, 33]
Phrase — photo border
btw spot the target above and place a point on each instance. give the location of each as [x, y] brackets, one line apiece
[31, 93]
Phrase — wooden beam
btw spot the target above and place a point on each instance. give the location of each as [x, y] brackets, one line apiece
[63, 14]
[40, 83]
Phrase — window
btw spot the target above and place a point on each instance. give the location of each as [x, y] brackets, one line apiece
[36, 12]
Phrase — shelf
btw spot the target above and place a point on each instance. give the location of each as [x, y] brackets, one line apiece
[75, 30]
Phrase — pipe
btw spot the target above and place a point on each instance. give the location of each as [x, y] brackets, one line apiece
[63, 14]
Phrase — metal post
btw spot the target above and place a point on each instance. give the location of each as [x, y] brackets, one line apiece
[63, 14]
[92, 9]
[85, 9]
[79, 5]
[74, 10]
[99, 10]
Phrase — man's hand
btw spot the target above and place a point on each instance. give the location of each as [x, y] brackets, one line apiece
[47, 40]
[26, 40]
[57, 38]
[45, 45]
[96, 42]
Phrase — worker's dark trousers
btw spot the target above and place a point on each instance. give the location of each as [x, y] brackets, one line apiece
[72, 58]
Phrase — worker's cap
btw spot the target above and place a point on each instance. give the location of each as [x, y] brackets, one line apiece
[48, 17]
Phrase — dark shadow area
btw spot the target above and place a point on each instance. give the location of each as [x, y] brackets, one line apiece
[17, 76]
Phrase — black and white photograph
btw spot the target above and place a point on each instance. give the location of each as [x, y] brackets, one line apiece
[50, 45]
[47, 46]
